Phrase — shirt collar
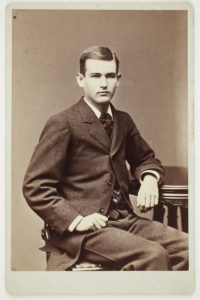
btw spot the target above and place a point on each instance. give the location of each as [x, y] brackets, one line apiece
[96, 111]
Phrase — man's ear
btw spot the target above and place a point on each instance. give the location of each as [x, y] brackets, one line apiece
[118, 79]
[80, 79]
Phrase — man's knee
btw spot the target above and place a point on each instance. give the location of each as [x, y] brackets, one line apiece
[159, 257]
[153, 258]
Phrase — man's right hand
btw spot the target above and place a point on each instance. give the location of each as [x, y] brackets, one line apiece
[92, 222]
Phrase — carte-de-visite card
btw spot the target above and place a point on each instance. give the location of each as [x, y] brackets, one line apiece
[154, 45]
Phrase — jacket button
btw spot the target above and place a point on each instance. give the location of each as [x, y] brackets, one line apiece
[101, 210]
[109, 182]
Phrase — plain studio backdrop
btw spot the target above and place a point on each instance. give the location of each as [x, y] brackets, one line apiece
[46, 45]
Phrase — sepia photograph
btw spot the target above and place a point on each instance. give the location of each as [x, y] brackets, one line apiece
[99, 124]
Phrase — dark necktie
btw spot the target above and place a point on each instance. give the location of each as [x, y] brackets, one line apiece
[107, 122]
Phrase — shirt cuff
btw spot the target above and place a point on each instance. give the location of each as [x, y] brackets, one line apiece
[74, 223]
[151, 172]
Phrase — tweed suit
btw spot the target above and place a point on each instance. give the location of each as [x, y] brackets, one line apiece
[73, 171]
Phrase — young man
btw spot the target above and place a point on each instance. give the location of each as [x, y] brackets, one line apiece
[78, 183]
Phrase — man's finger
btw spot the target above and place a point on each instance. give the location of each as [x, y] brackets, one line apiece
[103, 218]
[101, 223]
[152, 203]
[156, 200]
[92, 227]
[143, 200]
[148, 201]
[97, 226]
[100, 217]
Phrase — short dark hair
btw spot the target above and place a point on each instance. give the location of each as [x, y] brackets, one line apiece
[97, 52]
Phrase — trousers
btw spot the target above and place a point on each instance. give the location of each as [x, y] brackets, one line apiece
[135, 243]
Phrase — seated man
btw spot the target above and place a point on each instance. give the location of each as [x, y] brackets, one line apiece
[77, 181]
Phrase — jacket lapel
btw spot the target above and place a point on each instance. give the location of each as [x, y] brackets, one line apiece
[117, 135]
[93, 125]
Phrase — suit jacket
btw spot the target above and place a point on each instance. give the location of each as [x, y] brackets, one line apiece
[74, 167]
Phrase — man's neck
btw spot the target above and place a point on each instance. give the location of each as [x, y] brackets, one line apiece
[101, 107]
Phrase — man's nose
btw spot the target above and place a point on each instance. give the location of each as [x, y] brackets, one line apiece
[103, 82]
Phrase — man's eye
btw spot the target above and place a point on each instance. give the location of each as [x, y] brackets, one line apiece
[95, 76]
[111, 76]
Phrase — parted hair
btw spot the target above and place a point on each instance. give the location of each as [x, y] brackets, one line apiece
[100, 53]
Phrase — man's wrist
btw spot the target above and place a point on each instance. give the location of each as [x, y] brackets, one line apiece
[151, 173]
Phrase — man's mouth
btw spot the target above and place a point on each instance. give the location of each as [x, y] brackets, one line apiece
[103, 93]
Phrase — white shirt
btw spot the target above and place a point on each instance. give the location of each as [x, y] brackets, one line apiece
[96, 111]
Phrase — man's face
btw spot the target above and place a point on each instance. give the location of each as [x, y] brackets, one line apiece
[100, 81]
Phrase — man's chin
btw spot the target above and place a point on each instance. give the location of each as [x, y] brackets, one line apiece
[100, 100]
[103, 99]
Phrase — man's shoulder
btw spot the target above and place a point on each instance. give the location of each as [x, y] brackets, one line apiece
[65, 116]
[122, 114]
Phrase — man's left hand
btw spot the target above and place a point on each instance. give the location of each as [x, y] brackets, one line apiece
[148, 193]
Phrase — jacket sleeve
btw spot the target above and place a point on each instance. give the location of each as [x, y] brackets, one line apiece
[40, 187]
[138, 153]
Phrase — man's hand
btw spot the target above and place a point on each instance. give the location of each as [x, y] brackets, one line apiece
[148, 193]
[92, 222]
